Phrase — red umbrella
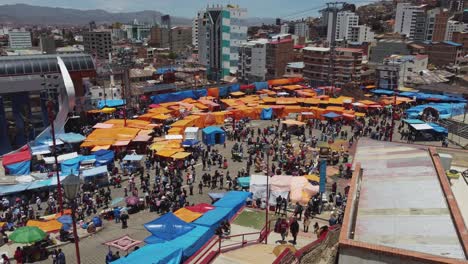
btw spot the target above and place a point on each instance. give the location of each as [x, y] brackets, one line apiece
[132, 200]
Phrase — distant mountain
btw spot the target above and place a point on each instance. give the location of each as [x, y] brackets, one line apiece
[39, 15]
[28, 14]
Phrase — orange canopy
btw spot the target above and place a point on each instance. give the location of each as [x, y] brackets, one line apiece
[46, 226]
[187, 215]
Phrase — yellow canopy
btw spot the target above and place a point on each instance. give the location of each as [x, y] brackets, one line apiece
[167, 153]
[161, 117]
[237, 94]
[187, 215]
[96, 148]
[360, 114]
[107, 110]
[46, 226]
[291, 122]
[312, 177]
[181, 155]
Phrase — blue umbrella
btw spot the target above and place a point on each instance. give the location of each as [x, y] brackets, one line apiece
[65, 219]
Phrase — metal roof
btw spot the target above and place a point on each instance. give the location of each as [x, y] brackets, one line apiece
[43, 64]
[402, 204]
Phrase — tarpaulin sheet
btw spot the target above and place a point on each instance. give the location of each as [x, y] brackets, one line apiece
[22, 155]
[200, 208]
[302, 190]
[243, 182]
[213, 92]
[445, 110]
[258, 186]
[168, 227]
[178, 96]
[104, 157]
[46, 226]
[9, 189]
[223, 91]
[213, 135]
[40, 150]
[71, 137]
[19, 168]
[233, 199]
[154, 254]
[214, 217]
[39, 184]
[267, 114]
[71, 166]
[438, 128]
[187, 215]
[110, 103]
[234, 88]
[260, 85]
[101, 170]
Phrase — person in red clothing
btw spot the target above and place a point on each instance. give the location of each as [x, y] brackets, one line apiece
[19, 256]
[284, 227]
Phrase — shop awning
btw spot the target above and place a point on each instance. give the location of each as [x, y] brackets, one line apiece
[167, 153]
[102, 125]
[421, 126]
[96, 148]
[291, 122]
[181, 155]
[133, 157]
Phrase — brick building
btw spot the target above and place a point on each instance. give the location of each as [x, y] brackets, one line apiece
[444, 53]
[278, 54]
[462, 38]
[347, 66]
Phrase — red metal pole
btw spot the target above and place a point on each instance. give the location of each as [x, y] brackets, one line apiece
[267, 198]
[50, 107]
[75, 236]
[393, 117]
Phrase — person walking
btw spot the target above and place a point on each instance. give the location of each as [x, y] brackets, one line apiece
[294, 228]
[18, 255]
[284, 226]
[306, 223]
[61, 257]
[124, 218]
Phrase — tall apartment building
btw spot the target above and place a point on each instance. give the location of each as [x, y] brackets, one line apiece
[284, 29]
[301, 29]
[195, 30]
[347, 66]
[137, 31]
[454, 26]
[252, 61]
[47, 45]
[345, 20]
[181, 38]
[410, 20]
[360, 34]
[97, 43]
[393, 72]
[462, 38]
[279, 52]
[19, 39]
[220, 33]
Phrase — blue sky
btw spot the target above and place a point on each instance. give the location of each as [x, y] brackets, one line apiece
[188, 8]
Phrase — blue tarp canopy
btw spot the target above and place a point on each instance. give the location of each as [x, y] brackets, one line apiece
[213, 135]
[10, 189]
[413, 121]
[223, 91]
[439, 129]
[234, 88]
[331, 115]
[234, 200]
[39, 184]
[153, 240]
[178, 96]
[190, 142]
[71, 166]
[267, 114]
[214, 217]
[40, 150]
[243, 182]
[445, 110]
[168, 227]
[260, 86]
[104, 157]
[19, 168]
[133, 157]
[381, 91]
[435, 97]
[164, 70]
[95, 171]
[71, 137]
[216, 196]
[154, 254]
[110, 103]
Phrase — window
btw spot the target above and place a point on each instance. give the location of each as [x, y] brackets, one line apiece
[100, 94]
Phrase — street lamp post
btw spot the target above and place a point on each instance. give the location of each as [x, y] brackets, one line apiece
[266, 148]
[71, 186]
[51, 116]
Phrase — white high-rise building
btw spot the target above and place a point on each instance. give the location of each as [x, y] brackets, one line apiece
[454, 26]
[252, 61]
[220, 34]
[345, 20]
[284, 29]
[301, 29]
[360, 34]
[411, 21]
[19, 39]
[195, 30]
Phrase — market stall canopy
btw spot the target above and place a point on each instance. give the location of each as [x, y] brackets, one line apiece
[172, 137]
[413, 121]
[46, 226]
[421, 126]
[291, 122]
[168, 227]
[61, 158]
[142, 138]
[121, 143]
[181, 155]
[187, 215]
[200, 208]
[97, 148]
[103, 126]
[40, 150]
[133, 157]
[101, 170]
